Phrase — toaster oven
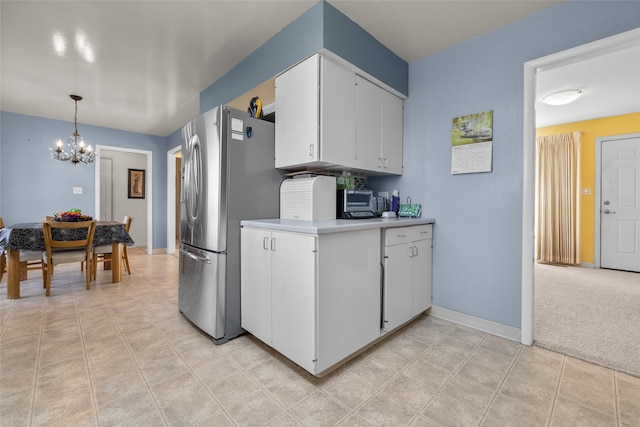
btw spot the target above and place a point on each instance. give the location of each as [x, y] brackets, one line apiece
[355, 204]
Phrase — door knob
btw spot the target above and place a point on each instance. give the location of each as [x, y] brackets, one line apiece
[607, 211]
[606, 202]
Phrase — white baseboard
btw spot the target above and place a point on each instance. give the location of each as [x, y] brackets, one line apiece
[484, 325]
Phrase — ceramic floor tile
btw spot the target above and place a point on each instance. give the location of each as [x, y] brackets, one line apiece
[286, 420]
[350, 390]
[126, 408]
[512, 412]
[421, 421]
[175, 388]
[61, 407]
[220, 419]
[528, 393]
[293, 389]
[320, 410]
[400, 353]
[122, 354]
[210, 373]
[444, 357]
[373, 372]
[494, 360]
[268, 372]
[446, 411]
[382, 410]
[479, 373]
[431, 375]
[191, 409]
[410, 391]
[259, 409]
[232, 388]
[15, 399]
[577, 414]
[20, 418]
[588, 373]
[111, 387]
[469, 392]
[585, 393]
[164, 368]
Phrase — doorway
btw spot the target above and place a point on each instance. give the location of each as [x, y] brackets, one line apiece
[148, 162]
[531, 69]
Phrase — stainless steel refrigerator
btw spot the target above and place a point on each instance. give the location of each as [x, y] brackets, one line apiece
[228, 175]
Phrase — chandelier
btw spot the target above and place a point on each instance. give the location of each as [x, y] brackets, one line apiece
[77, 151]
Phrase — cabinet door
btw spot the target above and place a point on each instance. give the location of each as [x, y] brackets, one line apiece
[398, 287]
[255, 295]
[293, 295]
[421, 271]
[368, 113]
[391, 133]
[338, 114]
[296, 128]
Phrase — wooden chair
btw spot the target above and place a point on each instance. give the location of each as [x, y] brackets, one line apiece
[60, 251]
[29, 260]
[103, 253]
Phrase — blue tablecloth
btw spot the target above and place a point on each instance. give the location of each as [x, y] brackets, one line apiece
[28, 236]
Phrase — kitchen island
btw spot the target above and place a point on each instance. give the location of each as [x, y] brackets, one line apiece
[320, 292]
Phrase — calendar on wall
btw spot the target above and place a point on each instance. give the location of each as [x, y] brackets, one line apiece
[472, 143]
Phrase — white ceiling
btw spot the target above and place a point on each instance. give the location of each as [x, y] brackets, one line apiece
[141, 65]
[610, 84]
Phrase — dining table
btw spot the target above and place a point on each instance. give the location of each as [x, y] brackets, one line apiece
[29, 236]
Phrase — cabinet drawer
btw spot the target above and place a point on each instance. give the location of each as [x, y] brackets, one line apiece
[399, 235]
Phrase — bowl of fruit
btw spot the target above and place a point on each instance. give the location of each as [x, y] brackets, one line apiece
[72, 215]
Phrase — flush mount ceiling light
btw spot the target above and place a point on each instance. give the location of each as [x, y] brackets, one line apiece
[563, 97]
[77, 151]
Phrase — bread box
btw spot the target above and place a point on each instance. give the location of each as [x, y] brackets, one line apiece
[309, 198]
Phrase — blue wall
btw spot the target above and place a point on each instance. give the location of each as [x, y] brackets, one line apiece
[33, 185]
[321, 26]
[477, 252]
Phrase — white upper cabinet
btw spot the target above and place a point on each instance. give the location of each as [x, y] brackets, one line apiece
[330, 117]
[378, 128]
[315, 102]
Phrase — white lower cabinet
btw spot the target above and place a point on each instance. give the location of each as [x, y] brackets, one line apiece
[314, 298]
[407, 257]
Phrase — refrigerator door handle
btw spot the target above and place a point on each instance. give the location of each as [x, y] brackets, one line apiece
[196, 257]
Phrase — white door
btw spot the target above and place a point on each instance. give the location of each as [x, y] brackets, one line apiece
[620, 205]
[106, 195]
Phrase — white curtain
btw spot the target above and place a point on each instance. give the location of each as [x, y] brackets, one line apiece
[558, 199]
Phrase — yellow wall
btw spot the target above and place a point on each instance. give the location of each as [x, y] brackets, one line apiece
[592, 129]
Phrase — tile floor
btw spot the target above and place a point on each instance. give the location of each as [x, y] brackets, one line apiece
[121, 354]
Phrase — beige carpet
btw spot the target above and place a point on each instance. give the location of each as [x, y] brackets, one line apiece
[591, 314]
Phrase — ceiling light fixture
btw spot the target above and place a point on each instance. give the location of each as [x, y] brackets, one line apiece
[563, 97]
[77, 151]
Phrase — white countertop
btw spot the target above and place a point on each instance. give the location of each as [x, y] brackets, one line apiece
[333, 226]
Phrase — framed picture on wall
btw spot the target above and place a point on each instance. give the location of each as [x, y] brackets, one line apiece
[136, 184]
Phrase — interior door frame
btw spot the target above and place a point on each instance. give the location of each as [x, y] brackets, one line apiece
[171, 197]
[149, 189]
[598, 197]
[531, 68]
